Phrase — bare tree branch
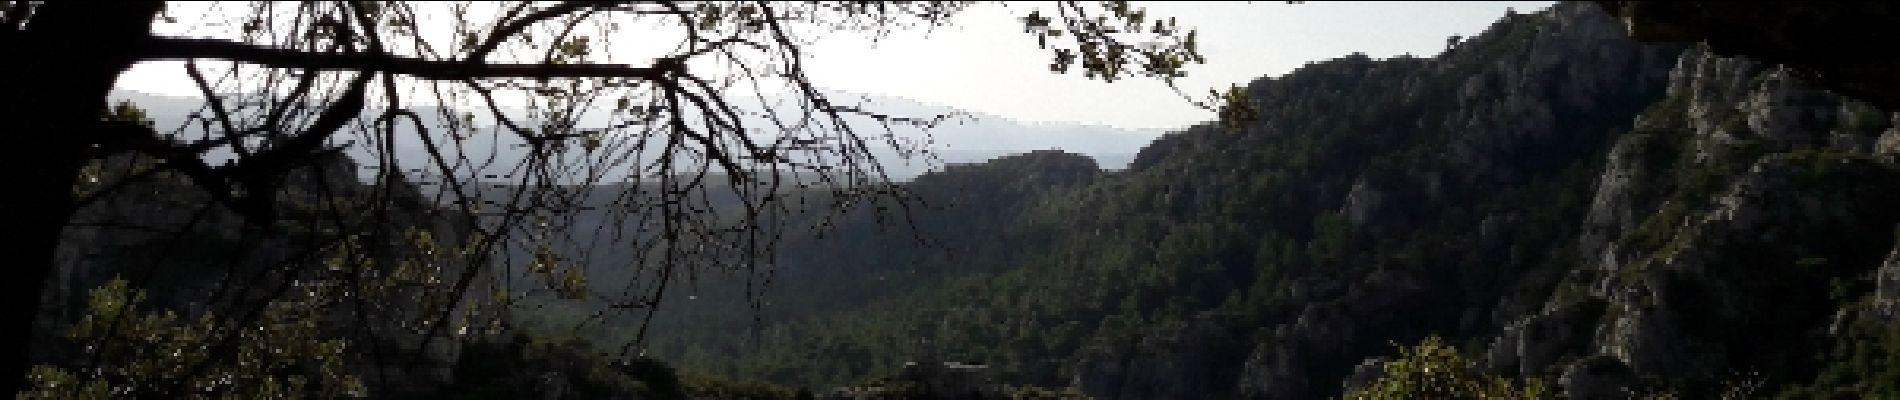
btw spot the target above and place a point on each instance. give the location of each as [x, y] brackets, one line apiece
[168, 48]
[516, 26]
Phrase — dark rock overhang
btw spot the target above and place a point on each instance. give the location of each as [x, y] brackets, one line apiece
[1846, 47]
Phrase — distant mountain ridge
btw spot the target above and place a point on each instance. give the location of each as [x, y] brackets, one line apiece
[966, 138]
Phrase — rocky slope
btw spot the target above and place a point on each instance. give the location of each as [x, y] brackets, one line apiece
[1730, 229]
[1534, 99]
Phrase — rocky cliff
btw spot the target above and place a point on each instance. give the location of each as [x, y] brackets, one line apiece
[1729, 230]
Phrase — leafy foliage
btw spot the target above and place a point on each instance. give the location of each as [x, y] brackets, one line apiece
[1435, 370]
[141, 352]
[1867, 361]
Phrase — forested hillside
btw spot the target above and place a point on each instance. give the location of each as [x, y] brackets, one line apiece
[1558, 202]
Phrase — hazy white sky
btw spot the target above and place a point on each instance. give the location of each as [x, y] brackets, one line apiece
[985, 63]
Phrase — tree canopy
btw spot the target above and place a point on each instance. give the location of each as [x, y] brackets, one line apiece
[661, 107]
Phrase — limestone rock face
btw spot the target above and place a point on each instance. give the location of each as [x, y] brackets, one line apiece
[1889, 142]
[1615, 203]
[1530, 347]
[1887, 294]
[1727, 209]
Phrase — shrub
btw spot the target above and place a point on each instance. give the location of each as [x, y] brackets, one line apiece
[1434, 370]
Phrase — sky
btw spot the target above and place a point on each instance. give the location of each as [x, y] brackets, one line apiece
[984, 62]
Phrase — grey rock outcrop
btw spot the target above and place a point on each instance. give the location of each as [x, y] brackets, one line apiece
[1701, 222]
[1531, 346]
[1887, 286]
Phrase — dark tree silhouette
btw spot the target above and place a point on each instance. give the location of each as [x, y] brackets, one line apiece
[665, 132]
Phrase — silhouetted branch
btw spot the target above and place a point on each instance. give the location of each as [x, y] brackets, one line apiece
[169, 48]
[515, 27]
